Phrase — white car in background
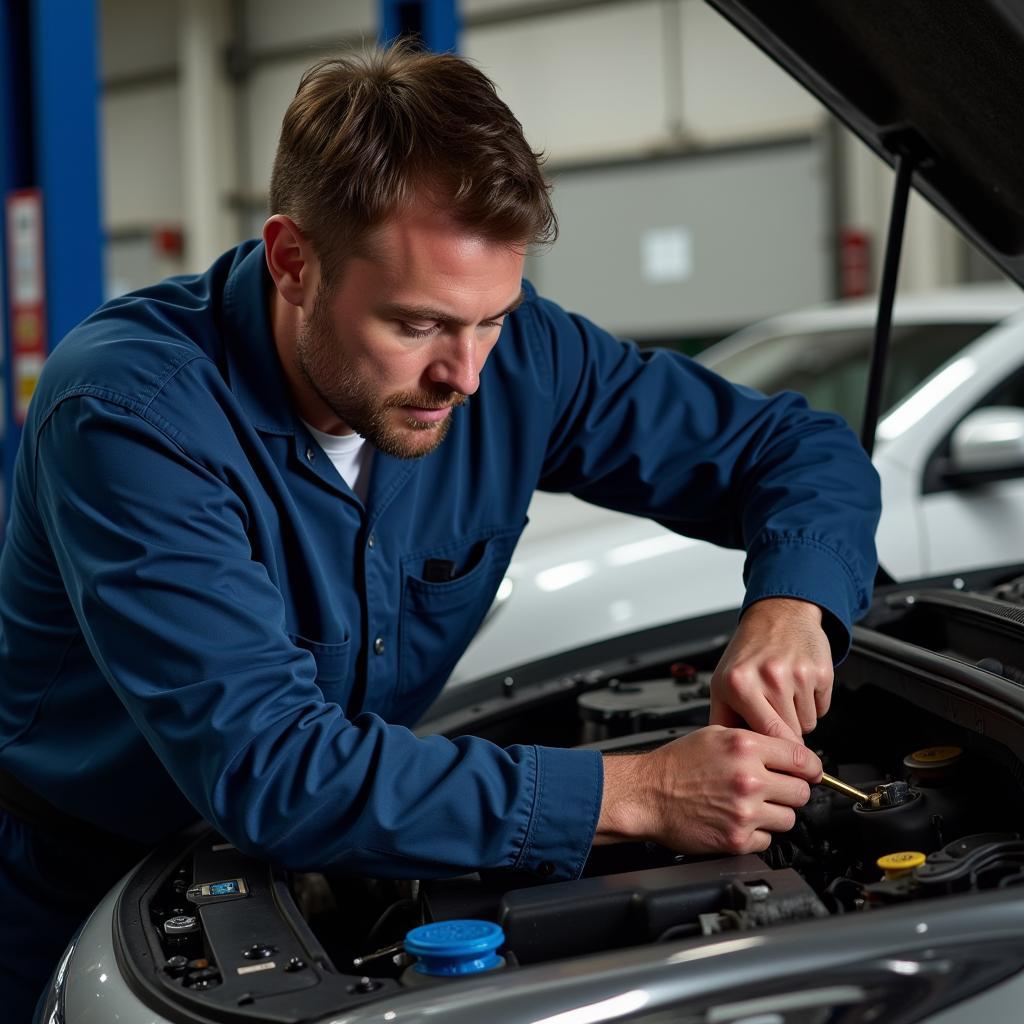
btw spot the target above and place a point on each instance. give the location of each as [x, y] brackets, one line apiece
[949, 449]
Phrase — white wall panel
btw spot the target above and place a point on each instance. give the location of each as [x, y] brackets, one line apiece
[691, 244]
[141, 157]
[271, 24]
[586, 83]
[730, 90]
[208, 141]
[271, 88]
[467, 8]
[134, 263]
[137, 37]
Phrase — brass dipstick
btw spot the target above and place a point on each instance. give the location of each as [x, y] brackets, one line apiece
[841, 787]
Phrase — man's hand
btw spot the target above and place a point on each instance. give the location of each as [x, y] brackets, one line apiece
[715, 790]
[776, 673]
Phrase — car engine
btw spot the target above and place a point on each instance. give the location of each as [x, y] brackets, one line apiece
[926, 730]
[946, 818]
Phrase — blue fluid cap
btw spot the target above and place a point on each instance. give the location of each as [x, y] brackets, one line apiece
[455, 948]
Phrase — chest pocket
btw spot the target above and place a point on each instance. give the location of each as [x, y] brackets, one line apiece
[439, 618]
[332, 666]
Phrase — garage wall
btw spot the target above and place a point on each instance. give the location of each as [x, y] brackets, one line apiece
[140, 127]
[281, 41]
[168, 150]
[138, 39]
[695, 245]
[141, 157]
[582, 92]
[729, 91]
[271, 25]
[609, 80]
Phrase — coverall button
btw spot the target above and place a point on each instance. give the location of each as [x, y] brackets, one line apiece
[310, 454]
[371, 542]
[378, 646]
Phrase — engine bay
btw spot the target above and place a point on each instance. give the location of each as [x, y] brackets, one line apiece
[927, 711]
[954, 829]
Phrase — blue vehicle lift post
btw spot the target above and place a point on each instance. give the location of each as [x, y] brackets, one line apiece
[436, 22]
[49, 97]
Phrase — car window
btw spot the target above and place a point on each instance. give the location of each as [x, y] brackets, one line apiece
[1010, 392]
[936, 475]
[831, 367]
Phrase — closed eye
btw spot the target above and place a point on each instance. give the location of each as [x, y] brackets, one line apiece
[411, 331]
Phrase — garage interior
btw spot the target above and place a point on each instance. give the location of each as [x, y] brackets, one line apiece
[699, 191]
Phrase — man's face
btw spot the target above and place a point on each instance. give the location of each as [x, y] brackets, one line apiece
[403, 335]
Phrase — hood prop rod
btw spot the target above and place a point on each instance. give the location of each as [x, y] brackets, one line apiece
[905, 164]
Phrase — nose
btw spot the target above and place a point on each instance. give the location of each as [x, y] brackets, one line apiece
[457, 362]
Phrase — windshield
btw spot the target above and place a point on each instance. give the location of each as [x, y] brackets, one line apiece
[831, 367]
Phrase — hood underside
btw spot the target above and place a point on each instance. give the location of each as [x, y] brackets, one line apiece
[940, 81]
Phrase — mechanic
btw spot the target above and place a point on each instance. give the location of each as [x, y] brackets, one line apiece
[259, 513]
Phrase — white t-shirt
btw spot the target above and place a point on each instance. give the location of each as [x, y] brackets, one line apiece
[351, 456]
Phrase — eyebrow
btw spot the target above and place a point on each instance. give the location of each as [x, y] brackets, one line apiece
[401, 312]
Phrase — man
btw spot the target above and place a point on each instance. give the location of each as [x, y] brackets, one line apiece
[260, 512]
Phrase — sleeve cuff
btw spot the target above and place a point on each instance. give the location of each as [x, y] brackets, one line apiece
[566, 806]
[805, 568]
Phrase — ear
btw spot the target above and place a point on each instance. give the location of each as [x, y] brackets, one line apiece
[291, 261]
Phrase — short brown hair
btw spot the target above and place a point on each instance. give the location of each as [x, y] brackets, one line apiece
[366, 132]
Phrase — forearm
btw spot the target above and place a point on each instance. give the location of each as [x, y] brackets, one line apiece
[624, 801]
[774, 612]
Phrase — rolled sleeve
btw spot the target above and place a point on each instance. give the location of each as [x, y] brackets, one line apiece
[809, 569]
[655, 434]
[566, 806]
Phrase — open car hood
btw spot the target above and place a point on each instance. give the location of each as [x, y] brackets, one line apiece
[940, 81]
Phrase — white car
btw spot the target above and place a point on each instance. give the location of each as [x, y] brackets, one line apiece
[950, 452]
[905, 907]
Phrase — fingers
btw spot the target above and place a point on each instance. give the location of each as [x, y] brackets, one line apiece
[783, 686]
[806, 708]
[722, 714]
[777, 818]
[768, 768]
[823, 693]
[762, 802]
[754, 822]
[792, 758]
[759, 842]
[776, 672]
[725, 790]
[749, 702]
[773, 721]
[746, 838]
[778, 698]
[815, 689]
[786, 791]
[743, 750]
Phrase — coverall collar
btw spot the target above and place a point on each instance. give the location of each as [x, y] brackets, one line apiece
[255, 372]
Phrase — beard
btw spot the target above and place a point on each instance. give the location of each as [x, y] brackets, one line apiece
[355, 400]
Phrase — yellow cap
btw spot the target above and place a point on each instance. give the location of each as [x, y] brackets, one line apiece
[895, 865]
[933, 755]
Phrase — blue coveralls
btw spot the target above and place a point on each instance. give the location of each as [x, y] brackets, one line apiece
[193, 618]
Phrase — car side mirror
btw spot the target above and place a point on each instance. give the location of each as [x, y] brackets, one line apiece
[988, 443]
